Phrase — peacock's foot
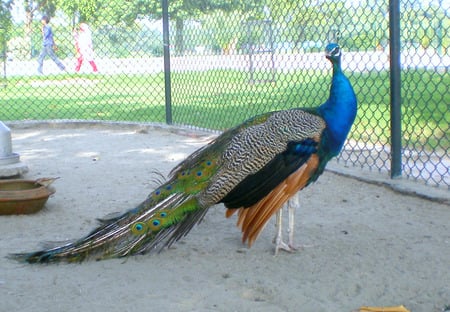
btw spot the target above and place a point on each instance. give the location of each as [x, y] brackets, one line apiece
[288, 247]
[281, 245]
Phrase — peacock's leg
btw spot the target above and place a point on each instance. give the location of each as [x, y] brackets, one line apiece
[278, 240]
[292, 203]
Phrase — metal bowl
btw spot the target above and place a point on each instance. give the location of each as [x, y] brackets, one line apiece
[23, 196]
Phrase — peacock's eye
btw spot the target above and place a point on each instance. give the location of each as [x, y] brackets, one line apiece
[139, 228]
[336, 51]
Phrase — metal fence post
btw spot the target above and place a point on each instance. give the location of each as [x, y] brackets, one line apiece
[395, 85]
[166, 43]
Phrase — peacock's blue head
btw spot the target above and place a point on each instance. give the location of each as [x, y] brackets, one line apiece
[333, 52]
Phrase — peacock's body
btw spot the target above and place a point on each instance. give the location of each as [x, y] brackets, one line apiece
[253, 168]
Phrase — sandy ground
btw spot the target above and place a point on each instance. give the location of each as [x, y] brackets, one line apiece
[370, 245]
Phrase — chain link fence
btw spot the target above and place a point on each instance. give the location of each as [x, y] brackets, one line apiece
[230, 61]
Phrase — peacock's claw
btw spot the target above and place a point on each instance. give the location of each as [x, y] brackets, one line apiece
[288, 247]
[281, 245]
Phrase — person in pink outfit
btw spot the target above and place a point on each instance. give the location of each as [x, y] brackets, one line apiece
[83, 45]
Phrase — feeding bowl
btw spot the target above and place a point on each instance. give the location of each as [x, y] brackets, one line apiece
[24, 196]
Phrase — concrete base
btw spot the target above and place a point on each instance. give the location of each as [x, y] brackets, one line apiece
[11, 170]
[8, 160]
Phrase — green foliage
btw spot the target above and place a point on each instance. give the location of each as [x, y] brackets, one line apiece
[85, 9]
[5, 24]
[219, 26]
[425, 26]
[128, 41]
[113, 13]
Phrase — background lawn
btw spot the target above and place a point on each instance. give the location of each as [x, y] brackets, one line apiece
[219, 99]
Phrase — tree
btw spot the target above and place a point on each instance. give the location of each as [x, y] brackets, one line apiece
[78, 10]
[112, 12]
[5, 24]
[182, 10]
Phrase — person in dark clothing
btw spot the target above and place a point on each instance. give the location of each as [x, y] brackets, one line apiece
[48, 45]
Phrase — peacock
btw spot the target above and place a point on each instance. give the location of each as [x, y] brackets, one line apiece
[253, 169]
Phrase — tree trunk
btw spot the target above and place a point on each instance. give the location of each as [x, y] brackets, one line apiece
[29, 29]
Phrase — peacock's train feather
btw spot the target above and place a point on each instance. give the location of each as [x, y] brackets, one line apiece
[253, 168]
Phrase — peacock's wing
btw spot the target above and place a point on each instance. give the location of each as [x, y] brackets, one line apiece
[256, 186]
[245, 163]
[279, 171]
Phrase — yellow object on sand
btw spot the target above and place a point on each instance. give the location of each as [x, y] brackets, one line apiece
[400, 308]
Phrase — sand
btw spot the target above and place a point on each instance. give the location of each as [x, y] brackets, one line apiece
[369, 245]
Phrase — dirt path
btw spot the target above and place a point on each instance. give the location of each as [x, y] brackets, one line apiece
[371, 246]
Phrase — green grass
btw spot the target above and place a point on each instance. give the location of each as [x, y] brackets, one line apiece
[132, 98]
[220, 99]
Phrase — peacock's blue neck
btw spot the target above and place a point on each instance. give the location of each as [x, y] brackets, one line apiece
[339, 111]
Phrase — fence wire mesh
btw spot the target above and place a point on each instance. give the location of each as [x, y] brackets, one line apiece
[231, 60]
